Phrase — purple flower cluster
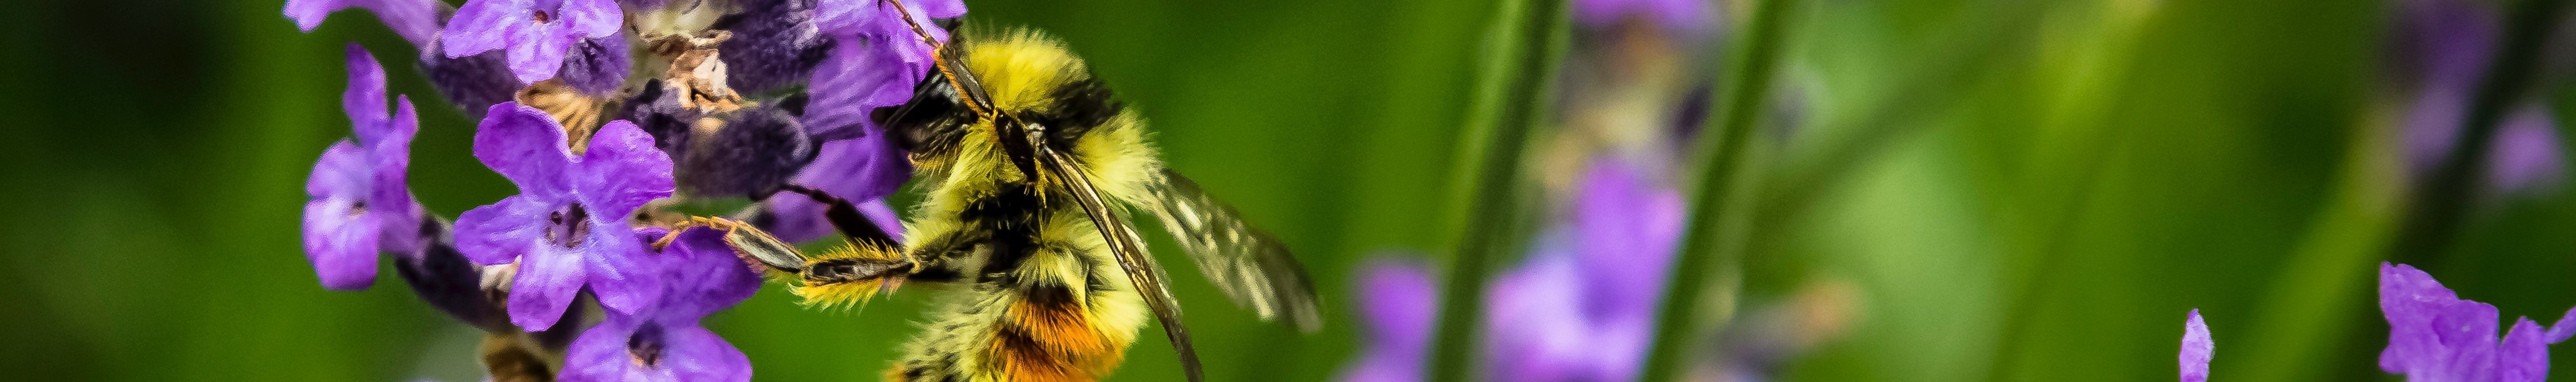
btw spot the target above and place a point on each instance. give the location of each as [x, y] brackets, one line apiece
[1580, 309]
[814, 72]
[2433, 335]
[360, 204]
[566, 229]
[662, 341]
[2442, 50]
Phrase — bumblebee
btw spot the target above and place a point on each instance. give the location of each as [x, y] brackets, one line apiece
[1030, 171]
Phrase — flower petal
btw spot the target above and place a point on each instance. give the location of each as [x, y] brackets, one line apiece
[308, 14]
[526, 146]
[364, 101]
[482, 26]
[416, 20]
[1397, 301]
[857, 77]
[2410, 300]
[941, 9]
[621, 171]
[600, 353]
[865, 168]
[2565, 327]
[342, 172]
[503, 231]
[704, 276]
[626, 278]
[2524, 355]
[2196, 349]
[1626, 229]
[591, 18]
[548, 279]
[391, 200]
[536, 51]
[341, 243]
[692, 353]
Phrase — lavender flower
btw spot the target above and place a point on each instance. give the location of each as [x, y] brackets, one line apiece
[2433, 335]
[1397, 314]
[597, 66]
[472, 83]
[536, 34]
[360, 204]
[875, 60]
[863, 169]
[1688, 16]
[567, 226]
[1583, 308]
[2196, 349]
[416, 20]
[1580, 309]
[664, 341]
[2443, 48]
[775, 44]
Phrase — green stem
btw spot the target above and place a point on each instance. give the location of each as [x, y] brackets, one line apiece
[1712, 240]
[1520, 58]
[2433, 218]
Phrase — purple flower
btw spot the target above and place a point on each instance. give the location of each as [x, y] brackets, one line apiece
[2196, 349]
[775, 44]
[2433, 335]
[566, 228]
[471, 83]
[663, 341]
[597, 66]
[862, 170]
[360, 204]
[1396, 309]
[1583, 307]
[875, 60]
[416, 20]
[1580, 309]
[2442, 49]
[2526, 151]
[536, 34]
[1688, 16]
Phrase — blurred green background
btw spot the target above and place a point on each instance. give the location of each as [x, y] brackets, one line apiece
[2020, 190]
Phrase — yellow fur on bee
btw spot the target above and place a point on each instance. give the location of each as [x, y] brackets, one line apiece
[1020, 70]
[1027, 331]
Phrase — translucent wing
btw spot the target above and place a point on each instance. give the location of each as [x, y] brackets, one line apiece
[1251, 266]
[1148, 277]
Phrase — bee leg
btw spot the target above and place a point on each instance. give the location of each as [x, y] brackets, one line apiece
[850, 270]
[748, 243]
[845, 217]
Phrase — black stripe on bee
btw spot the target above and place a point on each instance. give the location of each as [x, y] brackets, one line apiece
[1012, 214]
[932, 121]
[1080, 106]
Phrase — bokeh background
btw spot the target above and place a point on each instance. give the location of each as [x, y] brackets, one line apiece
[2013, 190]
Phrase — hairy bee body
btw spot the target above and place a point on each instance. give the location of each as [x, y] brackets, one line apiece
[1045, 299]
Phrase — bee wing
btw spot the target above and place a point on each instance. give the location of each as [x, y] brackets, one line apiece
[1251, 266]
[1148, 277]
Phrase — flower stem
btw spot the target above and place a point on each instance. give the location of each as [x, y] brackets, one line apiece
[1712, 239]
[2433, 218]
[1518, 67]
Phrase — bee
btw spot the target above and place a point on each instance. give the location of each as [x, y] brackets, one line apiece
[1030, 171]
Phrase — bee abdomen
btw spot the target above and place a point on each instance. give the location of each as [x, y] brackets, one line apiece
[1038, 332]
